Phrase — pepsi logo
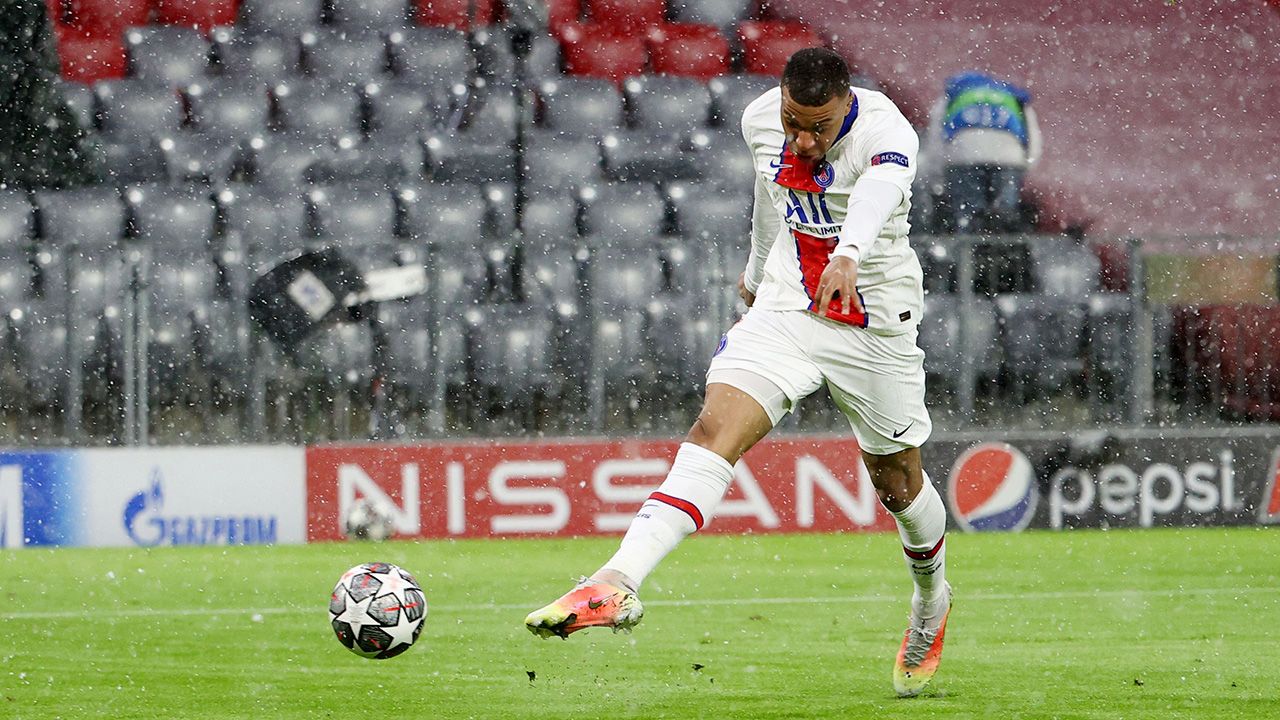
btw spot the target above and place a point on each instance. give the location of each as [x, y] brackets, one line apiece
[992, 487]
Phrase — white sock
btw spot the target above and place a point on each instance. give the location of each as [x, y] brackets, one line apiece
[683, 503]
[922, 525]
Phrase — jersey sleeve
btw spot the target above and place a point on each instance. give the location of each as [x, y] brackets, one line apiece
[889, 153]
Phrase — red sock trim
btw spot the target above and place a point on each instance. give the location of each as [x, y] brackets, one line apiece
[924, 554]
[683, 505]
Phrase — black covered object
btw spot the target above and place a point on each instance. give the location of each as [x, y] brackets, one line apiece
[303, 293]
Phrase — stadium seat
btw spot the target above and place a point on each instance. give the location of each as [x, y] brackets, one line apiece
[939, 261]
[627, 15]
[709, 215]
[37, 354]
[666, 105]
[941, 337]
[400, 110]
[641, 156]
[265, 224]
[343, 58]
[203, 15]
[166, 56]
[281, 162]
[766, 44]
[316, 110]
[595, 51]
[85, 217]
[17, 223]
[199, 157]
[553, 269]
[1042, 340]
[1064, 268]
[131, 160]
[108, 18]
[90, 59]
[1111, 326]
[509, 353]
[721, 13]
[496, 63]
[223, 107]
[170, 218]
[551, 215]
[723, 159]
[367, 15]
[431, 56]
[182, 286]
[580, 106]
[561, 13]
[288, 18]
[460, 157]
[555, 161]
[80, 102]
[133, 110]
[246, 58]
[694, 51]
[351, 218]
[730, 95]
[375, 164]
[622, 211]
[491, 114]
[456, 14]
[448, 215]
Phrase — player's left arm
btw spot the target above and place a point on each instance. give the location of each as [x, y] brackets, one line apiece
[889, 169]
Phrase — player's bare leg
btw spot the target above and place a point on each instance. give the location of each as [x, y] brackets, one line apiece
[915, 504]
[728, 425]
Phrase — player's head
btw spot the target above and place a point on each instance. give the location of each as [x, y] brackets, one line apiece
[815, 99]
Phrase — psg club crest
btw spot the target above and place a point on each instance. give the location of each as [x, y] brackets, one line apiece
[824, 174]
[992, 487]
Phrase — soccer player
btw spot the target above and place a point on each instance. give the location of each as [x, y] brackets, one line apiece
[834, 291]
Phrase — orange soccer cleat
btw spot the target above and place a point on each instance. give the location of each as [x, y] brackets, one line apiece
[921, 652]
[590, 603]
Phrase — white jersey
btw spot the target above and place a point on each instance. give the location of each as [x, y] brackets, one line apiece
[809, 200]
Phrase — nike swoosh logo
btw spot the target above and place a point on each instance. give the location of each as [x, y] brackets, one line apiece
[903, 430]
[777, 165]
[597, 603]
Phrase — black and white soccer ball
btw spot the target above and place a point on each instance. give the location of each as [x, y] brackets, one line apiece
[377, 610]
[367, 520]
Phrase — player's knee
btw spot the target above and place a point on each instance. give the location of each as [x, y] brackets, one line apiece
[891, 475]
[713, 434]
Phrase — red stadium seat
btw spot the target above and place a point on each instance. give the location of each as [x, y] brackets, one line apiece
[201, 14]
[454, 13]
[766, 44]
[594, 51]
[627, 14]
[108, 18]
[561, 13]
[696, 51]
[90, 59]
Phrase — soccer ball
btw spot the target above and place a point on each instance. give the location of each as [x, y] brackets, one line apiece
[376, 610]
[367, 520]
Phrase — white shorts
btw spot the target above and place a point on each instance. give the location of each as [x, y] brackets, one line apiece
[877, 381]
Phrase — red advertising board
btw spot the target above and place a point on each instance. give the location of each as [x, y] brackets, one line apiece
[582, 487]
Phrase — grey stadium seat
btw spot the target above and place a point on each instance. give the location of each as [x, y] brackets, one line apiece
[182, 285]
[243, 57]
[352, 218]
[731, 94]
[377, 163]
[199, 157]
[316, 110]
[228, 108]
[710, 214]
[85, 217]
[133, 110]
[491, 115]
[509, 356]
[165, 55]
[622, 210]
[17, 221]
[721, 13]
[551, 215]
[1064, 268]
[580, 106]
[169, 217]
[265, 224]
[80, 101]
[402, 110]
[284, 17]
[449, 215]
[722, 158]
[554, 162]
[1111, 325]
[282, 162]
[666, 104]
[369, 14]
[342, 57]
[496, 63]
[640, 156]
[1041, 339]
[940, 337]
[463, 157]
[431, 56]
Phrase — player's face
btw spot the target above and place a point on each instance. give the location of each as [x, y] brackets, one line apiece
[810, 130]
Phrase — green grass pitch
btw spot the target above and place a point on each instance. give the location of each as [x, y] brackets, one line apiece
[1121, 624]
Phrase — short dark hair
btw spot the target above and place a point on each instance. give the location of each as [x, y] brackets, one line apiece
[815, 75]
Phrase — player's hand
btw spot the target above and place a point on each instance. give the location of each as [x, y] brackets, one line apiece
[747, 296]
[840, 276]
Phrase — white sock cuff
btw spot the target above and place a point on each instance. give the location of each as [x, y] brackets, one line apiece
[923, 523]
[696, 483]
[700, 455]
